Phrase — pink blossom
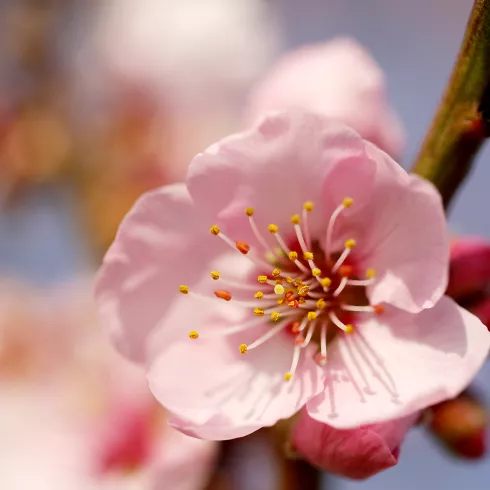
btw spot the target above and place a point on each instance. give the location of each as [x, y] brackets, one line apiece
[361, 335]
[339, 79]
[354, 453]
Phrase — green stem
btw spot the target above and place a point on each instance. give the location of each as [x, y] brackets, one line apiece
[462, 121]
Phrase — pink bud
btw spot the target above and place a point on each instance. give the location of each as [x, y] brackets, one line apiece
[470, 266]
[460, 425]
[354, 453]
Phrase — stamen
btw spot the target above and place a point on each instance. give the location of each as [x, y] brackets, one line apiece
[295, 219]
[242, 247]
[341, 286]
[323, 345]
[378, 309]
[193, 334]
[309, 335]
[264, 338]
[215, 275]
[222, 294]
[184, 289]
[294, 258]
[307, 208]
[254, 322]
[294, 363]
[335, 319]
[259, 312]
[346, 203]
[259, 295]
[360, 282]
[250, 212]
[234, 284]
[349, 245]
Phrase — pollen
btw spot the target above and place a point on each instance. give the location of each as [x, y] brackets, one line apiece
[184, 289]
[303, 290]
[312, 315]
[293, 256]
[275, 316]
[215, 275]
[348, 202]
[276, 272]
[349, 328]
[273, 228]
[316, 272]
[288, 376]
[297, 282]
[308, 206]
[243, 348]
[193, 334]
[243, 247]
[222, 294]
[279, 289]
[302, 300]
[320, 304]
[371, 273]
[249, 211]
[308, 256]
[258, 312]
[326, 282]
[214, 230]
[281, 301]
[259, 295]
[295, 219]
[262, 279]
[350, 244]
[289, 280]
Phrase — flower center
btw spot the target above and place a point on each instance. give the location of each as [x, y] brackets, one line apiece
[307, 290]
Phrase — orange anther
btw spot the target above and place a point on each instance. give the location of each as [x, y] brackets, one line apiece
[243, 247]
[222, 294]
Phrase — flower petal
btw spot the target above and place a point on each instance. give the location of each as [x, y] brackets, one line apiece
[354, 453]
[403, 236]
[159, 246]
[275, 167]
[339, 79]
[214, 392]
[405, 363]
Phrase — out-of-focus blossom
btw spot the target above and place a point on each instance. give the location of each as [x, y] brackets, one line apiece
[338, 79]
[340, 320]
[460, 424]
[469, 275]
[353, 453]
[103, 429]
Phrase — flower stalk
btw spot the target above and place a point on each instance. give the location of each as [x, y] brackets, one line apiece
[462, 122]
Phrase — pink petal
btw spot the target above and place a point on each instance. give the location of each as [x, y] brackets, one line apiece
[470, 266]
[160, 245]
[214, 392]
[354, 453]
[339, 79]
[285, 160]
[403, 236]
[403, 364]
[183, 463]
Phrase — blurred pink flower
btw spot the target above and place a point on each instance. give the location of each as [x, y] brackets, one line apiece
[323, 282]
[339, 79]
[353, 453]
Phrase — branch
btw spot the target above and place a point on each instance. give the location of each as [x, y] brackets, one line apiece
[462, 121]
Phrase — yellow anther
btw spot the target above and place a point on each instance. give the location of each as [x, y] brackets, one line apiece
[349, 328]
[249, 211]
[320, 304]
[348, 202]
[281, 301]
[308, 256]
[289, 280]
[184, 289]
[259, 295]
[262, 279]
[316, 272]
[371, 273]
[308, 206]
[326, 282]
[278, 281]
[214, 230]
[288, 376]
[258, 312]
[297, 282]
[215, 275]
[351, 243]
[193, 334]
[303, 290]
[279, 289]
[293, 256]
[273, 228]
[243, 348]
[295, 219]
[301, 300]
[312, 315]
[275, 316]
[276, 272]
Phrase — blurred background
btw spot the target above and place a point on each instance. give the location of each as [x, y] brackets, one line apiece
[101, 100]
